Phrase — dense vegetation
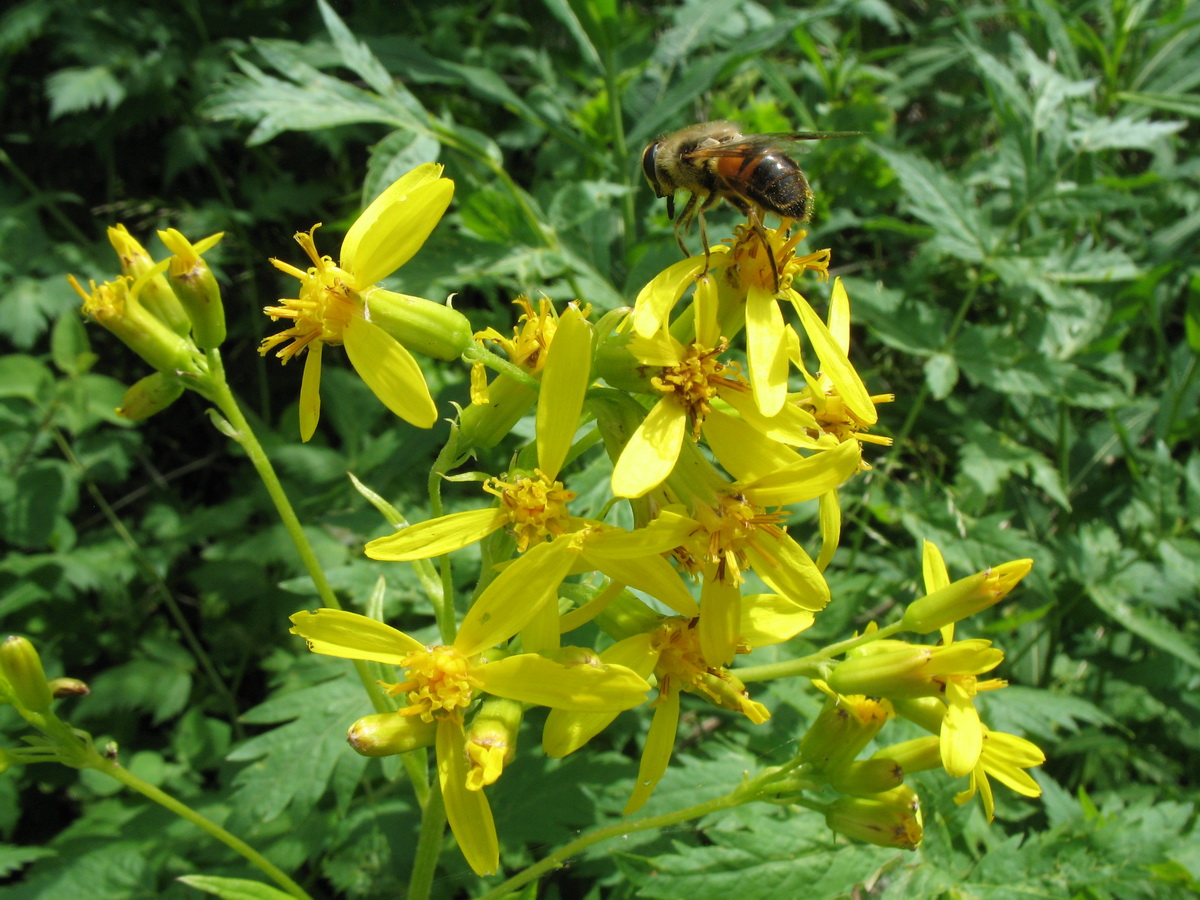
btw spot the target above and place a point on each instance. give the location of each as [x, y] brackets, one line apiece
[1016, 230]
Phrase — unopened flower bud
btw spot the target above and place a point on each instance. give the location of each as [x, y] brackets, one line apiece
[386, 734]
[965, 597]
[918, 755]
[155, 294]
[65, 687]
[845, 725]
[727, 691]
[149, 395]
[492, 740]
[899, 669]
[114, 305]
[486, 424]
[891, 819]
[867, 776]
[22, 669]
[423, 326]
[196, 287]
[927, 712]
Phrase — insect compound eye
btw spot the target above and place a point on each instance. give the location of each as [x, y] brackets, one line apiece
[650, 168]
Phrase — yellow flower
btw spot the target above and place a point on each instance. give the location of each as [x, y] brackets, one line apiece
[441, 683]
[671, 650]
[337, 303]
[1005, 758]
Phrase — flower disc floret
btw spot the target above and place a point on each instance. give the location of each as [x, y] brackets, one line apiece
[321, 311]
[696, 380]
[535, 507]
[731, 527]
[439, 684]
[750, 265]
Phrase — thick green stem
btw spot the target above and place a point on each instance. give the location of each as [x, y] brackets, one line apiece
[429, 846]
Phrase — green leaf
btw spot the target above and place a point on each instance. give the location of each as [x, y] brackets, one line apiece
[234, 888]
[75, 90]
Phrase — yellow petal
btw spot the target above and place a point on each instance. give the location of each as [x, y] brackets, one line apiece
[659, 349]
[566, 731]
[720, 620]
[468, 812]
[662, 534]
[766, 351]
[792, 426]
[830, 521]
[531, 678]
[542, 632]
[962, 732]
[656, 300]
[651, 452]
[390, 371]
[656, 755]
[515, 596]
[772, 619]
[565, 378]
[436, 537]
[742, 450]
[933, 567]
[310, 391]
[337, 632]
[788, 570]
[834, 362]
[652, 575]
[806, 478]
[839, 315]
[395, 225]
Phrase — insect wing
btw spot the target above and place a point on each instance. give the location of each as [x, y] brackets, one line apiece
[755, 142]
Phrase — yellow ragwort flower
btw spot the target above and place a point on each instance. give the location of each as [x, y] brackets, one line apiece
[441, 683]
[334, 301]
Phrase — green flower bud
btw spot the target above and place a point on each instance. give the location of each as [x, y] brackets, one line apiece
[155, 294]
[891, 819]
[65, 687]
[386, 734]
[492, 740]
[432, 329]
[867, 776]
[114, 305]
[149, 395]
[196, 287]
[22, 668]
[965, 597]
[845, 725]
[918, 755]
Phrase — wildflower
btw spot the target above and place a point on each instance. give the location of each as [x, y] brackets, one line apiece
[196, 287]
[339, 303]
[441, 683]
[670, 648]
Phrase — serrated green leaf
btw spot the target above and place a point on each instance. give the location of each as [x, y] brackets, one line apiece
[78, 89]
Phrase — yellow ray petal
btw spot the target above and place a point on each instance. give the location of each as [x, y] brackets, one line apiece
[468, 812]
[395, 225]
[962, 732]
[390, 371]
[933, 567]
[766, 350]
[656, 755]
[788, 570]
[720, 620]
[565, 379]
[566, 731]
[651, 452]
[742, 450]
[310, 391]
[835, 363]
[436, 536]
[772, 619]
[653, 305]
[651, 574]
[839, 315]
[509, 602]
[337, 632]
[585, 688]
[806, 478]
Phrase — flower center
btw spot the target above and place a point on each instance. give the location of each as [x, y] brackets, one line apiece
[323, 308]
[697, 379]
[681, 666]
[751, 266]
[536, 507]
[731, 526]
[439, 684]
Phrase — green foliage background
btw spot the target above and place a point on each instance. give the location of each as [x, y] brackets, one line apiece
[1018, 234]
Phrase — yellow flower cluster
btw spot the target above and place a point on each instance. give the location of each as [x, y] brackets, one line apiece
[714, 425]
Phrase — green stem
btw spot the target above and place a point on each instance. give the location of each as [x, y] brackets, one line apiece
[815, 665]
[429, 846]
[211, 828]
[745, 792]
[216, 389]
